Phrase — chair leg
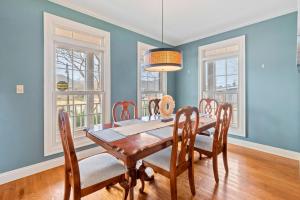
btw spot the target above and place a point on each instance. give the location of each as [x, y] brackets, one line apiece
[76, 195]
[67, 188]
[126, 192]
[225, 160]
[191, 178]
[215, 166]
[173, 188]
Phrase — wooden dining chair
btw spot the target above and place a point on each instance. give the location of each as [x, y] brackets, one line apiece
[90, 174]
[153, 107]
[208, 106]
[125, 110]
[213, 146]
[174, 160]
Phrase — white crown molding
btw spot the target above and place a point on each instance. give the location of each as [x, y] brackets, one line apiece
[42, 166]
[265, 148]
[72, 6]
[233, 26]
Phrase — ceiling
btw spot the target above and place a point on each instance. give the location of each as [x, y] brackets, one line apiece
[185, 20]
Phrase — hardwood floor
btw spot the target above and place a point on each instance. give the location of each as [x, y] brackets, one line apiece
[252, 175]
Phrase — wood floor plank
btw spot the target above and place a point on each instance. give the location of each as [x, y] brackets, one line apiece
[252, 175]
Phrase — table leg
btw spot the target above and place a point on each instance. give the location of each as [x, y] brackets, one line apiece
[132, 176]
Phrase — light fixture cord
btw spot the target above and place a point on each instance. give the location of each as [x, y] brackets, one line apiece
[162, 22]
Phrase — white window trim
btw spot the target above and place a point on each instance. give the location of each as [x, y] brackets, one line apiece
[241, 40]
[50, 21]
[141, 45]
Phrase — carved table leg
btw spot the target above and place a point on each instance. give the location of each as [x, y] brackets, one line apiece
[131, 176]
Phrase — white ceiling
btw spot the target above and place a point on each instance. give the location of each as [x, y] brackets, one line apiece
[185, 20]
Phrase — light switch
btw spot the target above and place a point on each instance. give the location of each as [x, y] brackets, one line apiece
[20, 89]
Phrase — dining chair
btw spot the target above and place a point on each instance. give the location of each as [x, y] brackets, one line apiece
[208, 106]
[174, 160]
[213, 146]
[125, 110]
[90, 174]
[153, 107]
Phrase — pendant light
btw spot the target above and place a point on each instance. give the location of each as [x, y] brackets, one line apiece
[163, 59]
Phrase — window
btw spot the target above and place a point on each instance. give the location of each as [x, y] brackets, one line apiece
[76, 78]
[150, 84]
[222, 77]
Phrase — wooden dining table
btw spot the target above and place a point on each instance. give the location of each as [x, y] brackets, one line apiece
[130, 148]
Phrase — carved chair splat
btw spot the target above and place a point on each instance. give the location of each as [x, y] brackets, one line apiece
[125, 112]
[153, 107]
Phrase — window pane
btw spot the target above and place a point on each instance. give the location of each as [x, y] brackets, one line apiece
[78, 80]
[232, 82]
[232, 66]
[232, 98]
[63, 58]
[79, 60]
[220, 67]
[150, 81]
[220, 83]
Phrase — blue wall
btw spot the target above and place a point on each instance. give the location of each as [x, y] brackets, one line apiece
[272, 93]
[21, 62]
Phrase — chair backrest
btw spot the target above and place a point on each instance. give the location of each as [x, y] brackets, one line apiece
[71, 162]
[208, 106]
[153, 109]
[125, 111]
[224, 116]
[187, 118]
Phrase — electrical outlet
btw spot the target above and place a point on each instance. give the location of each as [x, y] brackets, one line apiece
[20, 89]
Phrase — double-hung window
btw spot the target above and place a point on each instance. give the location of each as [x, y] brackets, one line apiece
[77, 79]
[150, 84]
[222, 77]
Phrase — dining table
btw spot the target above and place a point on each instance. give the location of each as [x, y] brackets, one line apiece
[132, 140]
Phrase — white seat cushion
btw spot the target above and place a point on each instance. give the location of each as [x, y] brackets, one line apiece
[161, 159]
[99, 168]
[204, 142]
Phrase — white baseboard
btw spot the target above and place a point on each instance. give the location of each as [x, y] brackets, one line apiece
[42, 166]
[265, 148]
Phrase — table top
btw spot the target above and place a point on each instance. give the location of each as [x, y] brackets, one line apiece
[132, 147]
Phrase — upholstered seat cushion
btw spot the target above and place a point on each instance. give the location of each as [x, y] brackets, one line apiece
[209, 132]
[204, 142]
[161, 159]
[99, 168]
